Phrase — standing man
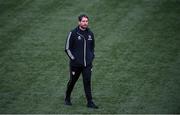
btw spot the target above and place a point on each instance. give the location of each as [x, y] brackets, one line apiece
[80, 49]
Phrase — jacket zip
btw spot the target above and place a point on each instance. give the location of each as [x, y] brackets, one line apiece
[84, 48]
[84, 52]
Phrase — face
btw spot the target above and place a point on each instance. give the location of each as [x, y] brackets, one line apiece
[83, 23]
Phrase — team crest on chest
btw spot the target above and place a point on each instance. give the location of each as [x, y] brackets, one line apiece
[89, 37]
[79, 37]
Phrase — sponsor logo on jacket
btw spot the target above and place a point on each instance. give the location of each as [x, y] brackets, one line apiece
[79, 37]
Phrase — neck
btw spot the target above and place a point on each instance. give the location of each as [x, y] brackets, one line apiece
[82, 28]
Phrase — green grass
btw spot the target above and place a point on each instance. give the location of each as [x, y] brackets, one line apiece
[137, 63]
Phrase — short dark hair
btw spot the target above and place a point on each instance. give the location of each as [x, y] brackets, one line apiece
[81, 16]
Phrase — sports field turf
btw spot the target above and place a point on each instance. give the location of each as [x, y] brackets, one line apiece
[137, 64]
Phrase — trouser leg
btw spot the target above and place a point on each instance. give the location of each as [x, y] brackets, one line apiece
[74, 75]
[86, 73]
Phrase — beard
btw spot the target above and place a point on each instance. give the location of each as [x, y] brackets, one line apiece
[84, 27]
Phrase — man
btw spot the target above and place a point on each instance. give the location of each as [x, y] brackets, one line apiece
[80, 49]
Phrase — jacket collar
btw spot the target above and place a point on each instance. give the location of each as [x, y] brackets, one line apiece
[87, 29]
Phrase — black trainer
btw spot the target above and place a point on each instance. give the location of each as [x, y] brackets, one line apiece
[92, 105]
[67, 102]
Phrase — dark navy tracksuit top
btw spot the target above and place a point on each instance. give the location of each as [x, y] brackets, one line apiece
[80, 47]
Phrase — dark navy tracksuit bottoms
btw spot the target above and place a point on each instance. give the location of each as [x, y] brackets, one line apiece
[74, 75]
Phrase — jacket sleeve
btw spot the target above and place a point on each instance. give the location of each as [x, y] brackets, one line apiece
[68, 46]
[93, 45]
